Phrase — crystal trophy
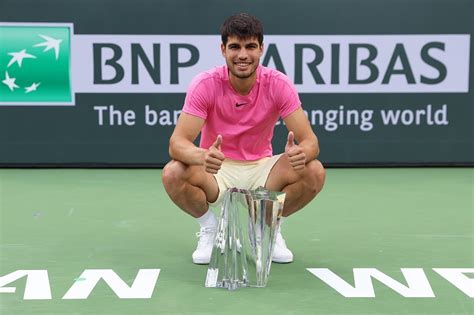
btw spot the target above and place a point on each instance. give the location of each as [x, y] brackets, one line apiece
[245, 236]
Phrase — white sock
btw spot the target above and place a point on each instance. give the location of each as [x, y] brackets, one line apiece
[282, 219]
[208, 219]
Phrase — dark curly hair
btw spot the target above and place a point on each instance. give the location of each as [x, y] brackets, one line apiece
[243, 26]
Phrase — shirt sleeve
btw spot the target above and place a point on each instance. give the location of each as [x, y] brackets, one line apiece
[287, 96]
[197, 102]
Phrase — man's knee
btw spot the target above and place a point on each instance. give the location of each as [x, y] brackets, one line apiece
[316, 176]
[173, 174]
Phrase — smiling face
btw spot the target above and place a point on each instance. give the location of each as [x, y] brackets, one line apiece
[242, 57]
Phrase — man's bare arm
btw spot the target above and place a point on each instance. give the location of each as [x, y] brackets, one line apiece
[298, 123]
[181, 146]
[183, 149]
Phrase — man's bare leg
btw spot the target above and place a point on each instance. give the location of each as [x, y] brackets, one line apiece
[190, 188]
[300, 187]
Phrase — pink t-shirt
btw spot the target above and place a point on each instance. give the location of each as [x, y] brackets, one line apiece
[246, 123]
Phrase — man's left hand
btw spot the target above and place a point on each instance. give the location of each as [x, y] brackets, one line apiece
[295, 153]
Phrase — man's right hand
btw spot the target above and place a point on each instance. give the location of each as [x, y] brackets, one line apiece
[213, 157]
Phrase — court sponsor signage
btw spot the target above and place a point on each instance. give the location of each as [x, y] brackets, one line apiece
[44, 63]
[35, 64]
[38, 286]
[370, 98]
[316, 64]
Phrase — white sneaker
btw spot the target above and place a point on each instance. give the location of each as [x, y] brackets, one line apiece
[202, 254]
[281, 253]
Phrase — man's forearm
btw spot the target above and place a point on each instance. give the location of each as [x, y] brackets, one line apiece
[186, 152]
[310, 149]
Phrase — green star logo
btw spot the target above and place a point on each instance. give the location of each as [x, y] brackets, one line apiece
[35, 64]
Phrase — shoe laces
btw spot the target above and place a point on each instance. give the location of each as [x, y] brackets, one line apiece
[205, 236]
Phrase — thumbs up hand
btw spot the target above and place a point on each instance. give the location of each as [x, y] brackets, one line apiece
[295, 153]
[213, 157]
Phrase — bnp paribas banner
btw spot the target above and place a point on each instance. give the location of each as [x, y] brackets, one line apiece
[83, 88]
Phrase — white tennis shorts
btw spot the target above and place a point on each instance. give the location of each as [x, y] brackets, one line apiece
[243, 175]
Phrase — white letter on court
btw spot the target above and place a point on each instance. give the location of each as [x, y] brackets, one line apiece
[142, 287]
[417, 283]
[458, 278]
[36, 287]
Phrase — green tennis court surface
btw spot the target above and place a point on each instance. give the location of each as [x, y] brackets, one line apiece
[69, 222]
